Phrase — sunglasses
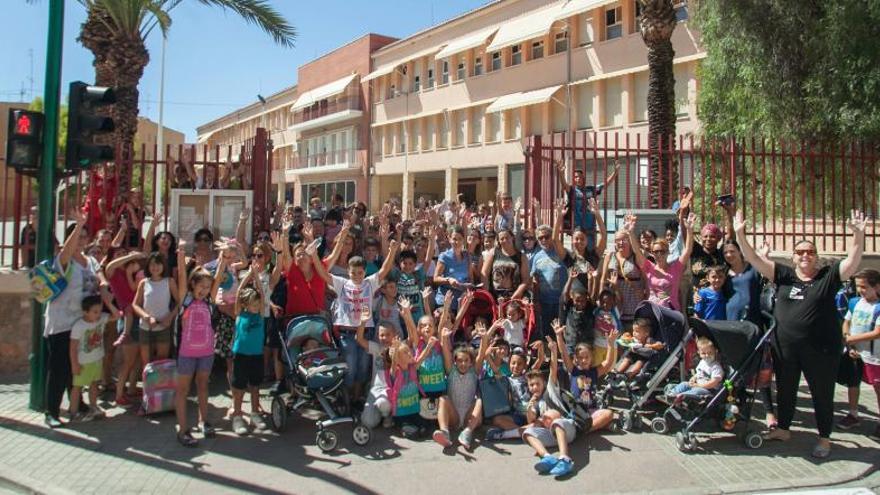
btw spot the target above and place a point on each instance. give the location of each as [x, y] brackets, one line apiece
[203, 239]
[805, 252]
[259, 255]
[543, 237]
[528, 239]
[658, 251]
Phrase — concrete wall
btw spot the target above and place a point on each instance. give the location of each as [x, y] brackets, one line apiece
[15, 322]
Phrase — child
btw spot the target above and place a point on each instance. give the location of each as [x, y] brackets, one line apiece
[577, 312]
[707, 376]
[411, 280]
[386, 308]
[607, 321]
[710, 302]
[514, 325]
[152, 304]
[404, 390]
[493, 357]
[247, 354]
[462, 408]
[423, 339]
[371, 256]
[643, 349]
[308, 345]
[87, 355]
[378, 408]
[509, 426]
[862, 330]
[196, 356]
[355, 297]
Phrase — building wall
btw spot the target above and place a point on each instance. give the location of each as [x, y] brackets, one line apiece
[148, 135]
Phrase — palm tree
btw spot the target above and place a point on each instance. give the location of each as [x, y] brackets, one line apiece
[656, 24]
[115, 32]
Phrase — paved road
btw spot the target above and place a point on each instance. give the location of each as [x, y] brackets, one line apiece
[130, 454]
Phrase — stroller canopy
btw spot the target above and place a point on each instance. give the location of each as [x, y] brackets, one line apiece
[304, 327]
[735, 340]
[667, 323]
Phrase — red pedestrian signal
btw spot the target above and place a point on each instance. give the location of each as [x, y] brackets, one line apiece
[24, 144]
[23, 125]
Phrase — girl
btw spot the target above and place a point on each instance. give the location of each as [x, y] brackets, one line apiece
[122, 272]
[462, 409]
[228, 266]
[377, 408]
[404, 390]
[514, 325]
[196, 355]
[607, 321]
[861, 328]
[431, 368]
[247, 349]
[153, 305]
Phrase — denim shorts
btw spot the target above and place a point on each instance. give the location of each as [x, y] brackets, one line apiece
[188, 366]
[357, 359]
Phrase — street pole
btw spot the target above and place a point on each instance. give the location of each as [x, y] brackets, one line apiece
[46, 214]
[159, 186]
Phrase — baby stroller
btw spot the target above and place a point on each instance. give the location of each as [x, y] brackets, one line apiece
[483, 306]
[668, 326]
[315, 380]
[741, 346]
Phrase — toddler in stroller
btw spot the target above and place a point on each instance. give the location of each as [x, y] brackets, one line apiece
[315, 375]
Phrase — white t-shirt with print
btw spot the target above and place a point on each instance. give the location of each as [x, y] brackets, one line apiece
[514, 332]
[91, 339]
[861, 320]
[353, 300]
[375, 350]
[708, 371]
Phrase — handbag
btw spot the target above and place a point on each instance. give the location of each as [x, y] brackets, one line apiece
[495, 394]
[47, 282]
[849, 372]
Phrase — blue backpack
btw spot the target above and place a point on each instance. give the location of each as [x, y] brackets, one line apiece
[47, 283]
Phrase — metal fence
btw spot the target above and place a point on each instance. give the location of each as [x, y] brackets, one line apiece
[787, 190]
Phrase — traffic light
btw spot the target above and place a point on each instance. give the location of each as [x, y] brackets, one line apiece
[83, 123]
[24, 142]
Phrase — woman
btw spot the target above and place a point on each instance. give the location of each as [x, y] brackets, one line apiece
[475, 247]
[528, 244]
[166, 243]
[663, 277]
[455, 269]
[203, 253]
[306, 292]
[505, 269]
[745, 283]
[621, 270]
[808, 339]
[62, 312]
[584, 258]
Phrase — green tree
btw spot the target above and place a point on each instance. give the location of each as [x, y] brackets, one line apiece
[37, 106]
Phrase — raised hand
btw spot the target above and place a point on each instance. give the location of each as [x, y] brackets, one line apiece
[629, 222]
[764, 250]
[593, 206]
[78, 216]
[517, 205]
[690, 222]
[536, 203]
[181, 245]
[558, 327]
[612, 337]
[857, 221]
[432, 341]
[480, 329]
[447, 299]
[446, 333]
[560, 205]
[404, 304]
[245, 214]
[739, 222]
[365, 316]
[573, 272]
[426, 292]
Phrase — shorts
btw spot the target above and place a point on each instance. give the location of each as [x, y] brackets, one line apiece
[548, 437]
[871, 374]
[148, 337]
[88, 374]
[634, 357]
[247, 371]
[134, 334]
[188, 366]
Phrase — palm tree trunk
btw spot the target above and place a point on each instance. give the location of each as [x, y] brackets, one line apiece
[128, 58]
[657, 24]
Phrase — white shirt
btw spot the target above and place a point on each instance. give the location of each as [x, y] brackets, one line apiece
[91, 339]
[706, 372]
[514, 332]
[353, 300]
[861, 320]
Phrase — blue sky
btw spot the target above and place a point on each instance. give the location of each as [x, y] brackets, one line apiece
[215, 61]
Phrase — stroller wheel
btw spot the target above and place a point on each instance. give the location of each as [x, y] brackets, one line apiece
[361, 435]
[327, 440]
[278, 418]
[753, 440]
[614, 427]
[684, 441]
[659, 426]
[629, 421]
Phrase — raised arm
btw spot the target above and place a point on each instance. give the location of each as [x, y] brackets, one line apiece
[406, 313]
[388, 264]
[487, 266]
[611, 178]
[850, 264]
[121, 233]
[181, 270]
[554, 361]
[629, 225]
[121, 262]
[559, 330]
[241, 286]
[610, 356]
[429, 346]
[71, 244]
[359, 337]
[317, 264]
[539, 358]
[557, 228]
[337, 244]
[446, 347]
[432, 246]
[601, 230]
[765, 267]
[688, 225]
[561, 175]
[241, 230]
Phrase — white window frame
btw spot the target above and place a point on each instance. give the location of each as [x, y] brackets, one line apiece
[495, 62]
[636, 15]
[444, 72]
[430, 82]
[478, 66]
[515, 55]
[461, 69]
[617, 27]
[537, 50]
[560, 38]
[417, 83]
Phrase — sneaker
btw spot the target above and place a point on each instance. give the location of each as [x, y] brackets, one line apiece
[848, 421]
[546, 464]
[562, 467]
[494, 434]
[465, 438]
[388, 422]
[442, 437]
[52, 421]
[207, 429]
[778, 434]
[258, 421]
[186, 439]
[821, 451]
[239, 426]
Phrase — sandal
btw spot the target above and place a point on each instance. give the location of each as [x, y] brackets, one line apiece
[821, 451]
[186, 439]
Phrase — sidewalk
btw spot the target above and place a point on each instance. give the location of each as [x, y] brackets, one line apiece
[129, 454]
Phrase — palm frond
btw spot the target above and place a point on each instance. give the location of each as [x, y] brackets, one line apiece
[262, 14]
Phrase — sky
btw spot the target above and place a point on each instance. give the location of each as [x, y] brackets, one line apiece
[215, 62]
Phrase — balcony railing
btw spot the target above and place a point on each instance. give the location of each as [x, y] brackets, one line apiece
[327, 107]
[353, 158]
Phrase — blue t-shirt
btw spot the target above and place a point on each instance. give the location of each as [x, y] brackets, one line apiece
[745, 298]
[712, 305]
[459, 269]
[250, 334]
[551, 274]
[410, 285]
[584, 384]
[584, 218]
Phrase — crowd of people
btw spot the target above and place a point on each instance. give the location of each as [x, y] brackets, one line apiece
[400, 296]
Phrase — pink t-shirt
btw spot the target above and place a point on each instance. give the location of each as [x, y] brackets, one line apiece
[664, 286]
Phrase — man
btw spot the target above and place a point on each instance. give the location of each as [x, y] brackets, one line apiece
[578, 196]
[28, 241]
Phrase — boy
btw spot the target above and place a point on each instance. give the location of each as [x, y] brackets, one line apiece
[87, 355]
[861, 327]
[577, 311]
[710, 302]
[355, 298]
[371, 256]
[411, 280]
[386, 309]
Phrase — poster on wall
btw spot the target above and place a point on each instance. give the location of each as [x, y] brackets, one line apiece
[218, 210]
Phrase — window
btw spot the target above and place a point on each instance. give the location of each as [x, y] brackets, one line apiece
[640, 100]
[477, 126]
[430, 83]
[460, 123]
[537, 50]
[682, 98]
[417, 76]
[515, 55]
[637, 9]
[681, 11]
[585, 106]
[478, 66]
[443, 131]
[444, 73]
[561, 42]
[560, 117]
[496, 61]
[586, 33]
[493, 122]
[417, 83]
[428, 141]
[325, 191]
[514, 124]
[536, 119]
[412, 134]
[460, 72]
[613, 23]
[392, 91]
[613, 106]
[401, 138]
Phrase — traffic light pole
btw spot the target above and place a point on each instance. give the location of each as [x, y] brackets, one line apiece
[46, 220]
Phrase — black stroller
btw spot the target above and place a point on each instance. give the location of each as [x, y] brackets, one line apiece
[741, 345]
[315, 379]
[668, 326]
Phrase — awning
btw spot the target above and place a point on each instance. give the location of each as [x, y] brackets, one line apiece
[387, 68]
[524, 28]
[466, 43]
[322, 92]
[205, 137]
[517, 100]
[568, 8]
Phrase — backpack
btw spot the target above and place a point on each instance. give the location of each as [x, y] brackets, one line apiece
[47, 283]
[187, 302]
[572, 409]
